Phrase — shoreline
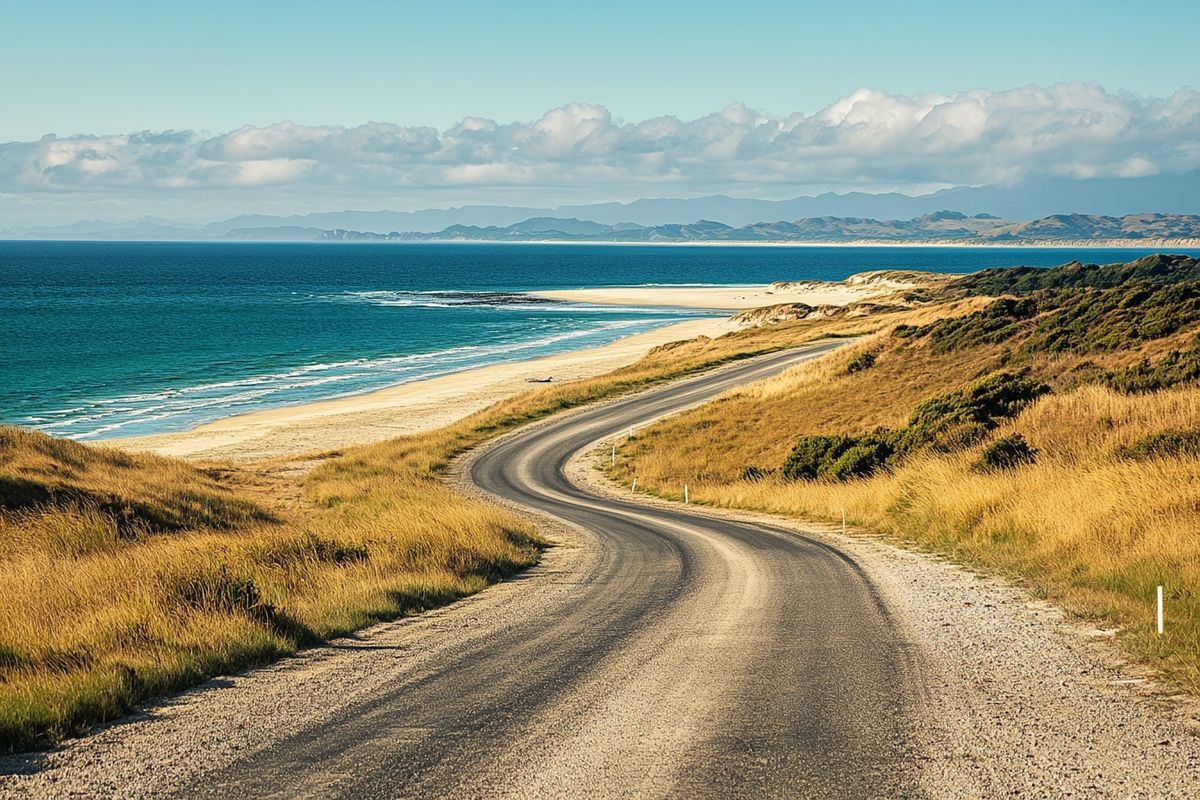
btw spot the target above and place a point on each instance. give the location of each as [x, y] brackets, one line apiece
[734, 298]
[1187, 243]
[417, 406]
[405, 408]
[1051, 244]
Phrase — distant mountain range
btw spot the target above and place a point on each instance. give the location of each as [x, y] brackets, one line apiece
[1112, 197]
[941, 226]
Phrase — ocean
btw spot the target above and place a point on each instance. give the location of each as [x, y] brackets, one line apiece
[108, 339]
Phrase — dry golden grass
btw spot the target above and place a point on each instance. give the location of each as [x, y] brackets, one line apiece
[123, 576]
[102, 608]
[1085, 527]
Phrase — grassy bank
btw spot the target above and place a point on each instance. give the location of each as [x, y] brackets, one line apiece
[902, 431]
[124, 576]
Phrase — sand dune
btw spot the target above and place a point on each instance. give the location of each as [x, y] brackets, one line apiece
[856, 288]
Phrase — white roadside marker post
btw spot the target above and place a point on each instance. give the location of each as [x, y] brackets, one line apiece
[1160, 611]
[634, 487]
[685, 494]
[613, 462]
[843, 522]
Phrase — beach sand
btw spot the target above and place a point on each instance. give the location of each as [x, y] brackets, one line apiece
[728, 298]
[403, 409]
[424, 405]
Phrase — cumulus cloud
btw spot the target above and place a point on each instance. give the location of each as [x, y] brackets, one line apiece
[869, 138]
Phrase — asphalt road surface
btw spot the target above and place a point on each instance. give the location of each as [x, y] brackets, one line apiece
[690, 657]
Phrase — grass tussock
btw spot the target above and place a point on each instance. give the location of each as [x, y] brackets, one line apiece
[124, 576]
[104, 604]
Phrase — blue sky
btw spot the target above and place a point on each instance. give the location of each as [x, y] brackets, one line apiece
[196, 110]
[114, 67]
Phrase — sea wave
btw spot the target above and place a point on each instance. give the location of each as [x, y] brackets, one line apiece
[502, 301]
[448, 298]
[172, 408]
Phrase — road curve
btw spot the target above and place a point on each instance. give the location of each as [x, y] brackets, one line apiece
[691, 656]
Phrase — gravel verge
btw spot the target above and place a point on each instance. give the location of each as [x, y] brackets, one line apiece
[1021, 700]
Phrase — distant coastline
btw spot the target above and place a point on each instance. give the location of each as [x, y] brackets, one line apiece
[1191, 243]
[939, 229]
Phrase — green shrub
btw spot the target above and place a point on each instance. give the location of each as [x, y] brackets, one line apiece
[1079, 320]
[1164, 444]
[1171, 370]
[811, 455]
[1007, 452]
[998, 322]
[840, 457]
[864, 360]
[860, 461]
[1156, 268]
[944, 423]
[961, 418]
[1091, 320]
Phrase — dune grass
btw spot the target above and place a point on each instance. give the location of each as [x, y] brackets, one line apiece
[105, 605]
[124, 576]
[1109, 510]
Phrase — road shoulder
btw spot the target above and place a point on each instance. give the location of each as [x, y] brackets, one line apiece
[1006, 674]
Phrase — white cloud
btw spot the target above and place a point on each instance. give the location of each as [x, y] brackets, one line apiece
[869, 138]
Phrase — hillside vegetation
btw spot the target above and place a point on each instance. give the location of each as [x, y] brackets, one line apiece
[936, 226]
[123, 576]
[1050, 432]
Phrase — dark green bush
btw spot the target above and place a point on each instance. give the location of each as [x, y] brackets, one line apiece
[864, 360]
[754, 473]
[1171, 370]
[944, 423]
[840, 457]
[1156, 268]
[1092, 320]
[1071, 320]
[1007, 452]
[1164, 444]
[998, 322]
[961, 418]
[811, 454]
[860, 461]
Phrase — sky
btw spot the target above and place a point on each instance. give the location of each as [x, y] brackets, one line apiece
[311, 78]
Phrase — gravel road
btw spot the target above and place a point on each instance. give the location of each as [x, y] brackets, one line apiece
[664, 650]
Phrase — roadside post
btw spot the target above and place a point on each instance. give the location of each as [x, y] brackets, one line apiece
[1160, 611]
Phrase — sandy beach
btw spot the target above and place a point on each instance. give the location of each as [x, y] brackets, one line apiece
[857, 288]
[428, 404]
[404, 409]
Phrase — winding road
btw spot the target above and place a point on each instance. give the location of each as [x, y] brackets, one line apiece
[663, 651]
[688, 656]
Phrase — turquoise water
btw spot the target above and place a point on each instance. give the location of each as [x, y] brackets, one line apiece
[100, 340]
